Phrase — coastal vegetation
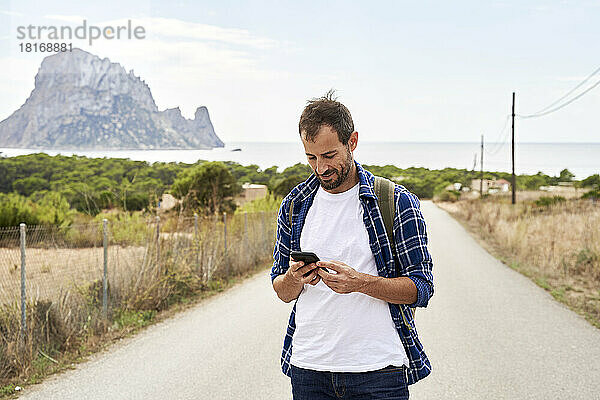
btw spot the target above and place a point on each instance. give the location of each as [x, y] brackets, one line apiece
[39, 189]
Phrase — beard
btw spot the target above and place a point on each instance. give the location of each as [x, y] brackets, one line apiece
[342, 174]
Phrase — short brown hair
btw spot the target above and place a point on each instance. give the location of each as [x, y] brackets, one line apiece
[326, 110]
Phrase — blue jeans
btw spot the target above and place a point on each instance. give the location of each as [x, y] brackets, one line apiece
[385, 383]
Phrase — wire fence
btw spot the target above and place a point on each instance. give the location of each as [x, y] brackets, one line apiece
[125, 264]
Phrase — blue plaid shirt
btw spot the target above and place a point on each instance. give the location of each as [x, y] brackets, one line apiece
[414, 261]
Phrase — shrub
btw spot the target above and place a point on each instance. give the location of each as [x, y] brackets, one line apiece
[591, 181]
[208, 187]
[423, 188]
[43, 208]
[448, 195]
[592, 194]
[283, 187]
[546, 201]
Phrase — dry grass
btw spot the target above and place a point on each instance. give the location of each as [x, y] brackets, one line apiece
[64, 283]
[558, 246]
[50, 271]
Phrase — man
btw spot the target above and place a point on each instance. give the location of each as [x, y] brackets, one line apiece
[351, 329]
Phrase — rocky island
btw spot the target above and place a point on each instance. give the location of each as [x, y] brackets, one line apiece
[82, 102]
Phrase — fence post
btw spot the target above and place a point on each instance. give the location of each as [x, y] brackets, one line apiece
[23, 292]
[264, 228]
[246, 228]
[158, 244]
[104, 275]
[197, 247]
[225, 241]
[225, 231]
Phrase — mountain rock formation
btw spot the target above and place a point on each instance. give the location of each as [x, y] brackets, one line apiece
[83, 102]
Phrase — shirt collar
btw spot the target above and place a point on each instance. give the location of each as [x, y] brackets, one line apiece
[366, 179]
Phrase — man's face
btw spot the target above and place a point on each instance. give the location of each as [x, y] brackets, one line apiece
[330, 160]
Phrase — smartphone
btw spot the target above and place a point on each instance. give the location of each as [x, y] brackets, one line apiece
[306, 256]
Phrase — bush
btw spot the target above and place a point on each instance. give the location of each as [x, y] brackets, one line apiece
[592, 194]
[566, 176]
[591, 181]
[208, 188]
[423, 188]
[137, 201]
[286, 185]
[448, 195]
[43, 208]
[29, 185]
[546, 201]
[532, 182]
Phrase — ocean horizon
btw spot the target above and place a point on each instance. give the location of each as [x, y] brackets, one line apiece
[582, 159]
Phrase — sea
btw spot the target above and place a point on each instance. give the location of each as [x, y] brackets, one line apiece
[582, 159]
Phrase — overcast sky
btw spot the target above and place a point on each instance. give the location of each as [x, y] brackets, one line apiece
[408, 71]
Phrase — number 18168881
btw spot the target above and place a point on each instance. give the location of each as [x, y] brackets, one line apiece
[45, 47]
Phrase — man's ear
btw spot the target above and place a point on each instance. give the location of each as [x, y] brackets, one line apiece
[353, 141]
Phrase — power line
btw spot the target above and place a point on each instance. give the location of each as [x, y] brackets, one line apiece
[570, 91]
[501, 141]
[499, 144]
[499, 136]
[561, 106]
[547, 110]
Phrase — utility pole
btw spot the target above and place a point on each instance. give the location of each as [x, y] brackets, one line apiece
[481, 176]
[514, 179]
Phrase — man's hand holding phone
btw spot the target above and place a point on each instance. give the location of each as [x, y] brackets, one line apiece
[303, 267]
[301, 273]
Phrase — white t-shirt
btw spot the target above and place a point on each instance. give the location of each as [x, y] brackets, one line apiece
[337, 332]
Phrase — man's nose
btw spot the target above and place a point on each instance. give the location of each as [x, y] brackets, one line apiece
[321, 166]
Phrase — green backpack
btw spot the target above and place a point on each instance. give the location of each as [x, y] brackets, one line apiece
[384, 190]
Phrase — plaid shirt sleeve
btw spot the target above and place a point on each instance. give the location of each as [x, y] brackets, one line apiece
[281, 252]
[410, 235]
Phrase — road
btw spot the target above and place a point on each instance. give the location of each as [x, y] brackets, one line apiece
[489, 332]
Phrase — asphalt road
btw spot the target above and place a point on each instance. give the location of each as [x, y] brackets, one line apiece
[490, 333]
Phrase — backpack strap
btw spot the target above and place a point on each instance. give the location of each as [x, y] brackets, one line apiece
[384, 190]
